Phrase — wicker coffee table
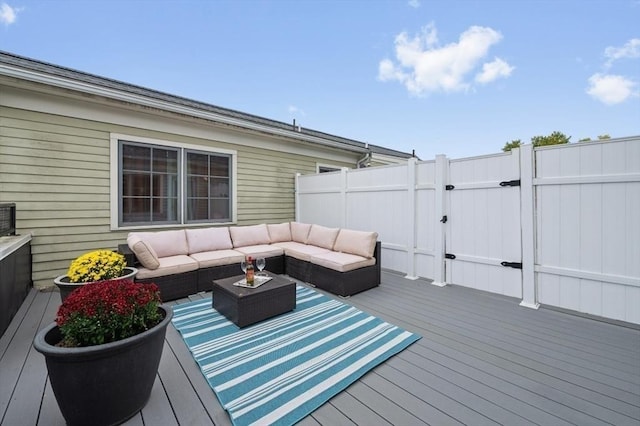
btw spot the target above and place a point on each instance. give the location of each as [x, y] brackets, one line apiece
[246, 306]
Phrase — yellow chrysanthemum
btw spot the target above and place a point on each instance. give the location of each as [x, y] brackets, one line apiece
[96, 266]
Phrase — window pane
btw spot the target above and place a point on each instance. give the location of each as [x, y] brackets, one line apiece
[219, 187]
[197, 209]
[197, 186]
[165, 209]
[136, 157]
[165, 185]
[220, 209]
[136, 210]
[197, 164]
[136, 184]
[219, 166]
[165, 161]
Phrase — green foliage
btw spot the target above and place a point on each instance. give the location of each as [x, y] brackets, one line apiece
[510, 145]
[555, 138]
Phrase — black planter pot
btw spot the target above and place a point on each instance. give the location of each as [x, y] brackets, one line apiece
[67, 287]
[103, 384]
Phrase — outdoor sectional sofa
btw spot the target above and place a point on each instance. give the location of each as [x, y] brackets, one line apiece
[184, 262]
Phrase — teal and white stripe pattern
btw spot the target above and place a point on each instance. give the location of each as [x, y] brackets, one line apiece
[278, 371]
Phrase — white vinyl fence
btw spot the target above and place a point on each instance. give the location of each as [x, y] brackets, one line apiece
[556, 225]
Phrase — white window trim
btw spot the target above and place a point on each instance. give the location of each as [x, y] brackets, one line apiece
[114, 176]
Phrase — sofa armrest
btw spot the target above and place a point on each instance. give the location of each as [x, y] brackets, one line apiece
[129, 256]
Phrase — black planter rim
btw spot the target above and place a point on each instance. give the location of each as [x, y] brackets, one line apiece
[64, 279]
[41, 345]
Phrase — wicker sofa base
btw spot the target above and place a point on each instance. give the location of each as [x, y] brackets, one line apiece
[206, 276]
[175, 286]
[341, 283]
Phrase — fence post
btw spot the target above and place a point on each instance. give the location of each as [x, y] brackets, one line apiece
[343, 197]
[411, 219]
[439, 278]
[527, 221]
[296, 196]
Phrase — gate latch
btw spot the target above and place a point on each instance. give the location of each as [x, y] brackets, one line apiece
[444, 219]
[515, 265]
[515, 182]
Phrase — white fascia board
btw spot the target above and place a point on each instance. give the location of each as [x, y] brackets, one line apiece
[387, 159]
[106, 92]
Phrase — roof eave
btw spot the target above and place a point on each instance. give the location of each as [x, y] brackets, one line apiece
[123, 96]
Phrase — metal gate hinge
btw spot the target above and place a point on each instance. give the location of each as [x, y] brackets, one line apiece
[515, 265]
[450, 256]
[515, 182]
[449, 187]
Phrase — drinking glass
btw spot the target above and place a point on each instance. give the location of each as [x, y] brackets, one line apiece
[243, 265]
[260, 263]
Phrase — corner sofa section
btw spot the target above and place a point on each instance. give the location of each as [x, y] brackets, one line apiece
[184, 262]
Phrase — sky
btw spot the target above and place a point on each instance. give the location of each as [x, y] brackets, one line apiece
[459, 78]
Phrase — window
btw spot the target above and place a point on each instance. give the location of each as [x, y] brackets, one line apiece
[208, 186]
[149, 184]
[169, 184]
[321, 168]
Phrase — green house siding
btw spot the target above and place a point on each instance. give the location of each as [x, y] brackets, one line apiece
[57, 170]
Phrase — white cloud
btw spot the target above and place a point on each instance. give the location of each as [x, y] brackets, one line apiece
[424, 66]
[494, 70]
[630, 50]
[414, 3]
[294, 110]
[611, 89]
[8, 14]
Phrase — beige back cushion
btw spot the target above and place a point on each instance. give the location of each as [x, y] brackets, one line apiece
[300, 232]
[253, 235]
[143, 251]
[321, 236]
[166, 243]
[279, 232]
[208, 239]
[361, 243]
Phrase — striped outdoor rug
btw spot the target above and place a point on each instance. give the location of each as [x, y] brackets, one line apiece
[280, 370]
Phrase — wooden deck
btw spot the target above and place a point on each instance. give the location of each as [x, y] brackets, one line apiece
[482, 360]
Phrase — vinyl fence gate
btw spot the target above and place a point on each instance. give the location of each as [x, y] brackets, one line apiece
[557, 225]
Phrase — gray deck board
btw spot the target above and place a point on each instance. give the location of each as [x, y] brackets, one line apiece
[483, 360]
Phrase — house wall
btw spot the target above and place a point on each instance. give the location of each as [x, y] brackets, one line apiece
[55, 165]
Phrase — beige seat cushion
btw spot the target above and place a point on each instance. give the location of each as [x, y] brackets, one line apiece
[168, 266]
[300, 251]
[341, 262]
[360, 243]
[208, 239]
[300, 231]
[279, 232]
[249, 235]
[321, 236]
[166, 243]
[208, 259]
[143, 251]
[261, 250]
